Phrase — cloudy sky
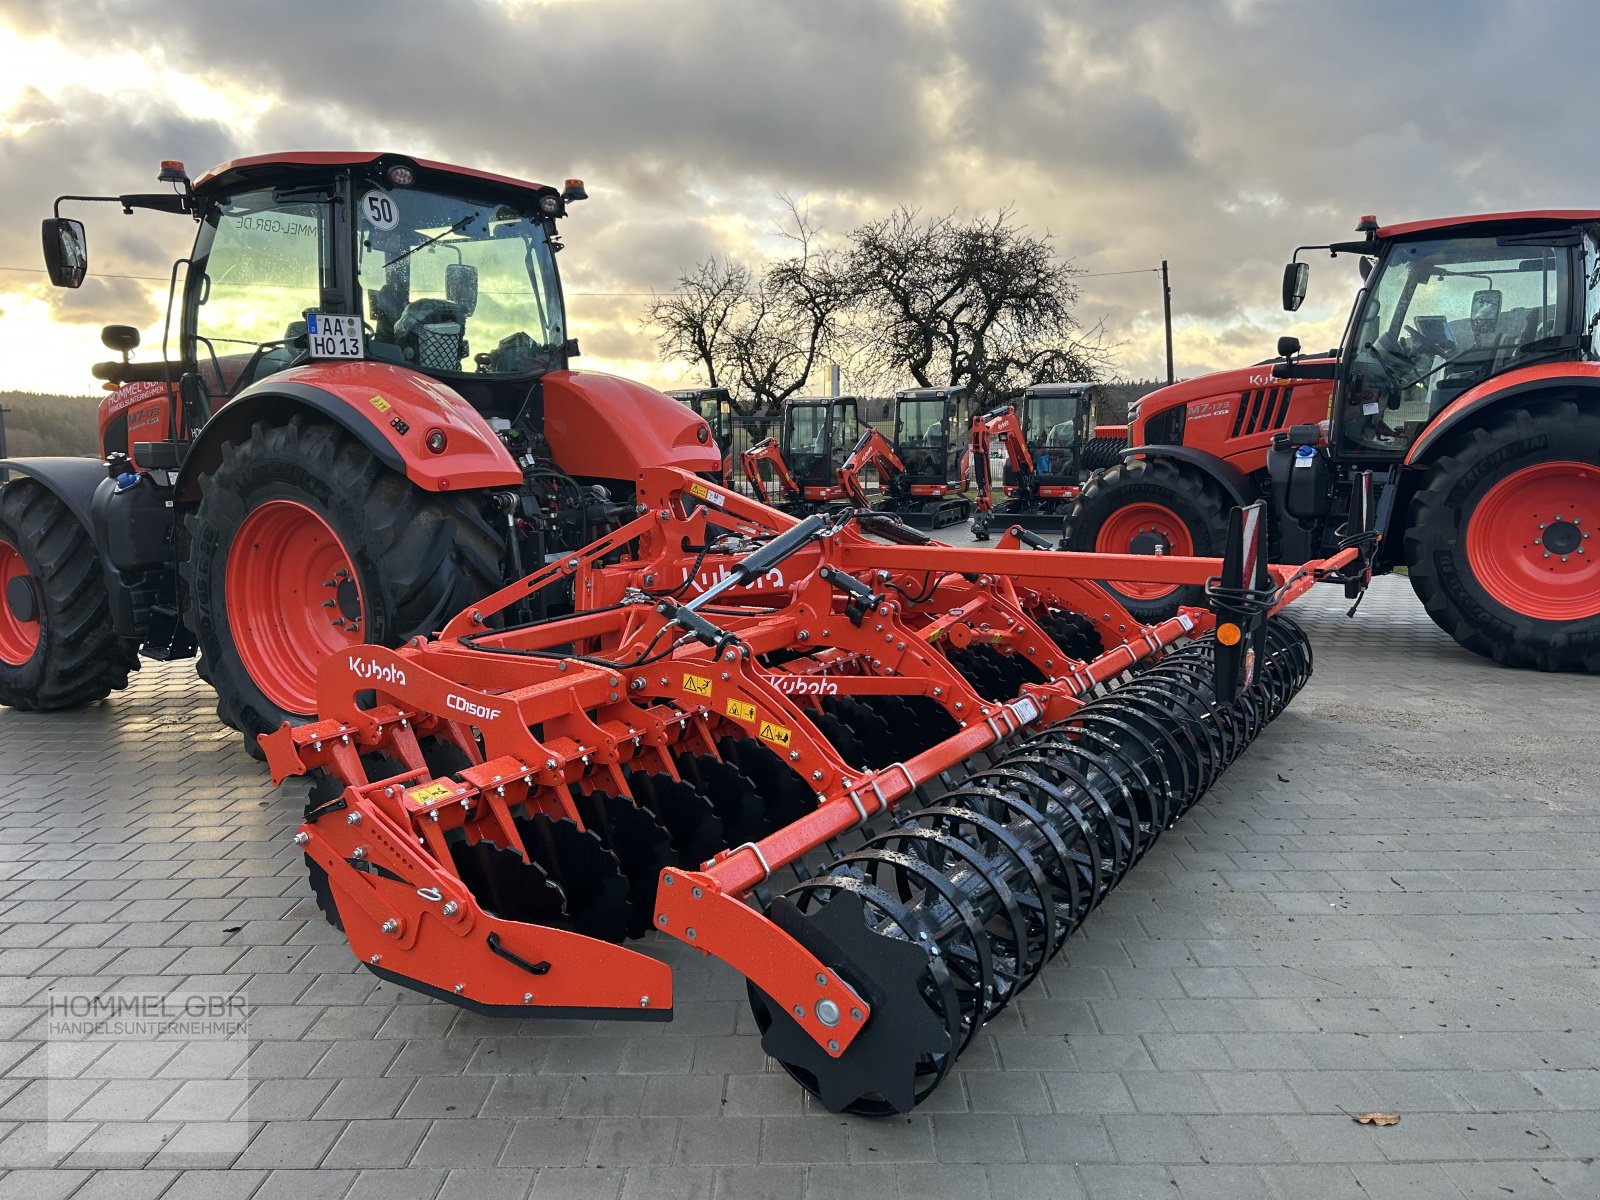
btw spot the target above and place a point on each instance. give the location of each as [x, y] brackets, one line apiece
[1217, 134]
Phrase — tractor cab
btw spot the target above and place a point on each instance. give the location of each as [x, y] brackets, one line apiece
[816, 436]
[1055, 418]
[1444, 307]
[930, 426]
[338, 258]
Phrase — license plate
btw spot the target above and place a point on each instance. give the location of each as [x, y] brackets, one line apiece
[330, 335]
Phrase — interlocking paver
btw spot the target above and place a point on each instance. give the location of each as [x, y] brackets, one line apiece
[1407, 923]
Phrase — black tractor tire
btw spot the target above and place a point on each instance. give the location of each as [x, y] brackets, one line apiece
[1197, 502]
[1100, 453]
[78, 658]
[1436, 540]
[418, 557]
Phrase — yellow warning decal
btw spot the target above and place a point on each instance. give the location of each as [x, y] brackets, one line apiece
[427, 795]
[936, 633]
[379, 403]
[697, 685]
[699, 489]
[740, 711]
[778, 735]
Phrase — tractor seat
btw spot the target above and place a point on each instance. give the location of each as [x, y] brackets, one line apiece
[431, 334]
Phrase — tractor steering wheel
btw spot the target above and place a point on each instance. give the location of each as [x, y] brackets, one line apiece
[1396, 363]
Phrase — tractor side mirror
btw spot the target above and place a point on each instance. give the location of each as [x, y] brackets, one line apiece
[461, 287]
[1296, 276]
[1288, 346]
[1486, 310]
[66, 251]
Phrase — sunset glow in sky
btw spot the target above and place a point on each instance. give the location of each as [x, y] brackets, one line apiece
[1218, 134]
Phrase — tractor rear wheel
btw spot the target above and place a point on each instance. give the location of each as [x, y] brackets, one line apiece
[1149, 506]
[303, 545]
[57, 647]
[1501, 545]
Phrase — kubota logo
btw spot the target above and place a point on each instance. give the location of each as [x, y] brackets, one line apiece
[798, 685]
[375, 671]
[461, 704]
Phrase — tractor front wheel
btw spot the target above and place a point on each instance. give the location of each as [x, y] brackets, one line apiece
[1503, 542]
[57, 647]
[303, 545]
[1149, 506]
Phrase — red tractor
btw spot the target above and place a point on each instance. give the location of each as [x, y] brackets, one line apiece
[367, 420]
[1466, 384]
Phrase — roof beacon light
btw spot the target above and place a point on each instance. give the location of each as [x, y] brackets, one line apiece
[574, 191]
[1367, 224]
[172, 172]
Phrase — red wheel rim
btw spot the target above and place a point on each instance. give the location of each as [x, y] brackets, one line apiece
[1529, 543]
[293, 599]
[1145, 529]
[19, 634]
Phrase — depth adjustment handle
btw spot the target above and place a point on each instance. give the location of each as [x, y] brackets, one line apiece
[1029, 538]
[863, 599]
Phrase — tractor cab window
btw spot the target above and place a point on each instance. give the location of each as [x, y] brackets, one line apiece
[1440, 317]
[1053, 427]
[259, 266]
[454, 285]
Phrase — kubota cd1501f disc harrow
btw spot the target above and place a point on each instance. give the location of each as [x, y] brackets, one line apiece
[496, 811]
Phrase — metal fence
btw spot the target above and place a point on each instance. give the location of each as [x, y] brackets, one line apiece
[747, 431]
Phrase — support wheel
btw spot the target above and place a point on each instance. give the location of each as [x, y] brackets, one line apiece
[304, 545]
[1149, 506]
[1503, 542]
[57, 647]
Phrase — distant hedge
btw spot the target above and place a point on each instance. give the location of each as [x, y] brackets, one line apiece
[41, 424]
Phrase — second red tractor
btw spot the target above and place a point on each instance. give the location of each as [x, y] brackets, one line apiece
[1467, 383]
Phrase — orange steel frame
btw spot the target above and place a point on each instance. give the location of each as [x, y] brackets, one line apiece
[384, 843]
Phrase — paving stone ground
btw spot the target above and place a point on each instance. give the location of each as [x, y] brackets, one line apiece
[1391, 902]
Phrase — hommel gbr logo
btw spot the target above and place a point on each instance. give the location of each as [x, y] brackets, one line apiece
[376, 672]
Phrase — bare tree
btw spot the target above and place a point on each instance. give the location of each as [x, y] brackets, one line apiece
[692, 322]
[982, 303]
[762, 337]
